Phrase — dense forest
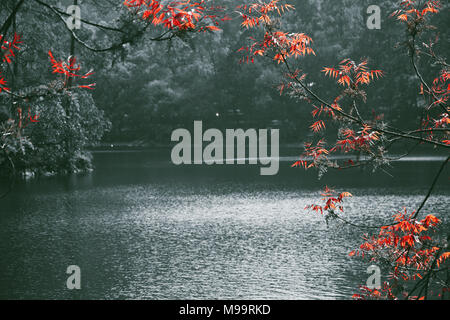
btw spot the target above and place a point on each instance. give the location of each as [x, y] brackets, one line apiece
[147, 85]
[164, 85]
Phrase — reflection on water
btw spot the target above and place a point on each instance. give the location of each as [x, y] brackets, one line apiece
[140, 228]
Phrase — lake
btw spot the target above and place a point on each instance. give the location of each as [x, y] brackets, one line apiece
[142, 228]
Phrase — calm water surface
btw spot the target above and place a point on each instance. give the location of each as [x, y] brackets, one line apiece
[141, 228]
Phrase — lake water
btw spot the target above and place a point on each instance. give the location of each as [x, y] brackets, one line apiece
[141, 228]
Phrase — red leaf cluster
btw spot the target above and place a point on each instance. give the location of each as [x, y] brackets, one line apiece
[180, 15]
[70, 69]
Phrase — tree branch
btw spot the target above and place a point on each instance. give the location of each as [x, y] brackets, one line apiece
[430, 190]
